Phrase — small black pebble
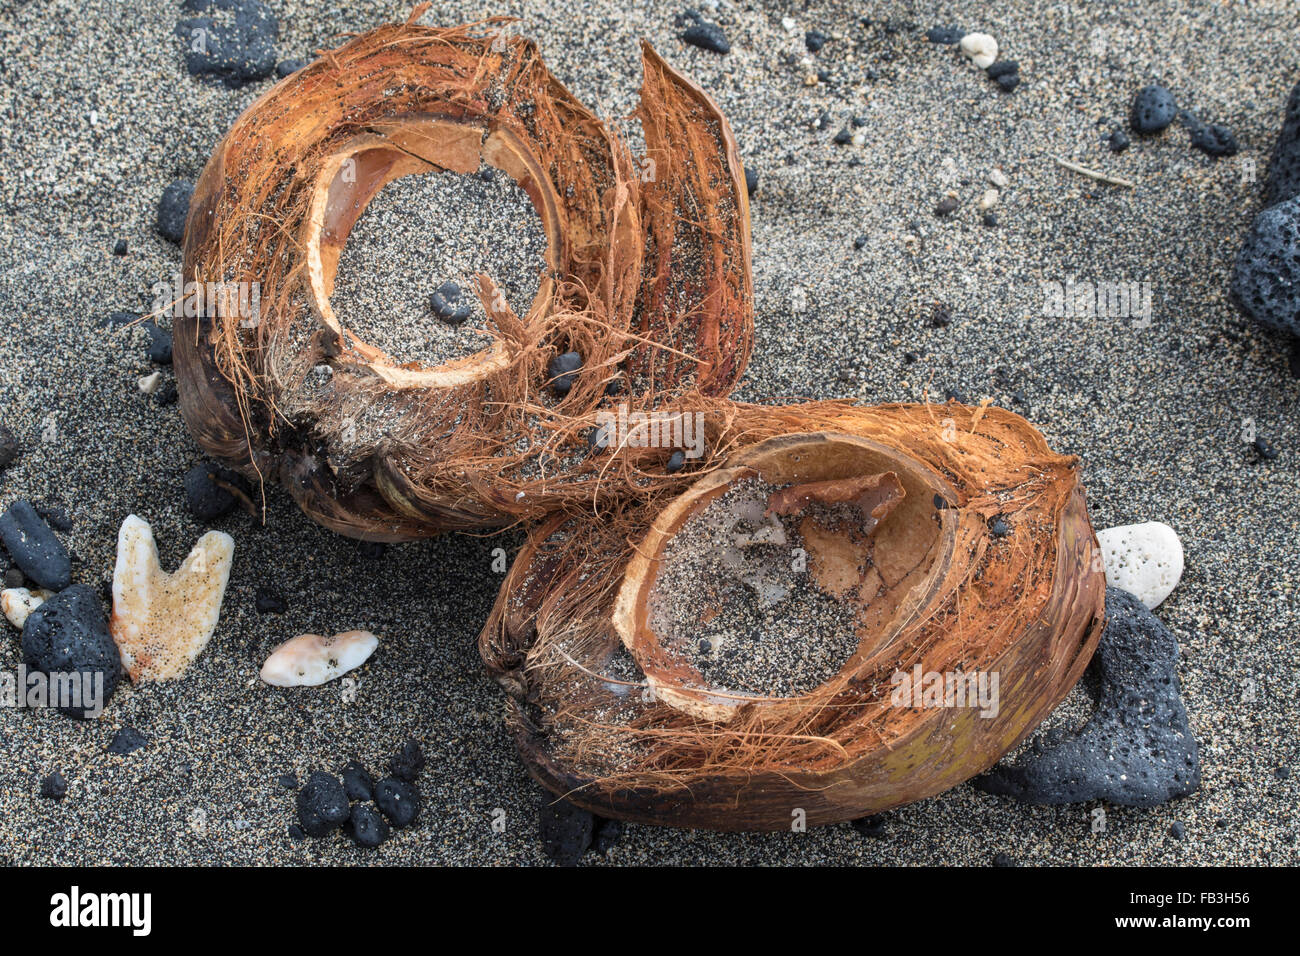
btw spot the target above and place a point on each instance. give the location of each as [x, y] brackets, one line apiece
[9, 447]
[296, 832]
[707, 36]
[1177, 830]
[68, 633]
[939, 502]
[1153, 110]
[1118, 140]
[287, 780]
[34, 547]
[1002, 68]
[991, 219]
[408, 762]
[751, 182]
[1004, 859]
[872, 826]
[54, 787]
[15, 578]
[607, 834]
[1215, 140]
[561, 370]
[120, 247]
[205, 498]
[357, 782]
[1264, 449]
[946, 206]
[843, 137]
[860, 242]
[566, 830]
[366, 826]
[1008, 81]
[322, 804]
[675, 462]
[56, 516]
[160, 343]
[945, 35]
[998, 527]
[269, 602]
[167, 395]
[127, 740]
[173, 208]
[446, 305]
[814, 40]
[941, 317]
[399, 800]
[1282, 773]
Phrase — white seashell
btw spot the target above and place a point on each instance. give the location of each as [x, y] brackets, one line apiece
[309, 659]
[1144, 559]
[980, 48]
[149, 383]
[161, 622]
[19, 602]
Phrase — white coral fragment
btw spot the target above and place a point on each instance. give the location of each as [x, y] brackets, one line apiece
[980, 48]
[309, 660]
[161, 622]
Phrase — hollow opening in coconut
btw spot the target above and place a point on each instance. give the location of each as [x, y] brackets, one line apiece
[782, 571]
[354, 175]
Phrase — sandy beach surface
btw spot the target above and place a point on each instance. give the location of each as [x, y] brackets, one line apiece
[98, 115]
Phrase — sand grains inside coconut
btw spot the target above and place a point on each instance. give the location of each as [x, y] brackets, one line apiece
[735, 596]
[422, 231]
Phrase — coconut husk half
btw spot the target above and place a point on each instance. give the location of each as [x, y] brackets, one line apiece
[929, 583]
[378, 449]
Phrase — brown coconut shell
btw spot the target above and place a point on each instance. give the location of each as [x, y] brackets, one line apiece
[378, 449]
[948, 595]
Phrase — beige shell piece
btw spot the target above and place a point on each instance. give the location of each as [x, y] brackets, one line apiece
[17, 603]
[309, 660]
[161, 622]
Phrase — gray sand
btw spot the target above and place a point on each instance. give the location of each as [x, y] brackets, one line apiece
[729, 599]
[1156, 412]
[422, 231]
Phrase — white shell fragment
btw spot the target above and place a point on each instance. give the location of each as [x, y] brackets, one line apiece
[150, 383]
[309, 660]
[19, 602]
[980, 48]
[1144, 559]
[161, 622]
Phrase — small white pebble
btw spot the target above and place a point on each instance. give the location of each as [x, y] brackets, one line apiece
[19, 602]
[998, 178]
[1144, 559]
[989, 199]
[980, 48]
[789, 26]
[310, 660]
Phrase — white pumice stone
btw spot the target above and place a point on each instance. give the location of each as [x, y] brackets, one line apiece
[161, 622]
[309, 660]
[980, 48]
[19, 602]
[1144, 559]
